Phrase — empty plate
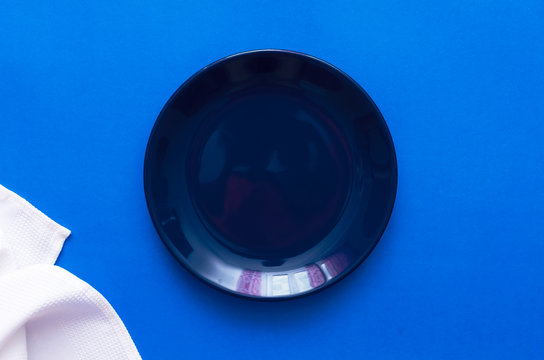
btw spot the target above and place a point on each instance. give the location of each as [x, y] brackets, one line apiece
[270, 174]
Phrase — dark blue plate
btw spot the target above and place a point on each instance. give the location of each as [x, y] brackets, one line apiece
[270, 174]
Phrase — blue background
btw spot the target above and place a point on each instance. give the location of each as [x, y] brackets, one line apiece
[459, 272]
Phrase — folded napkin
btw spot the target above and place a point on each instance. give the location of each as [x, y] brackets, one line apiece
[46, 313]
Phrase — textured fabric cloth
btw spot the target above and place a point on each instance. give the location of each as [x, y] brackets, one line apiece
[47, 313]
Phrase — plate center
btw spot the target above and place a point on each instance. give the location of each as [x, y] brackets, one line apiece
[269, 173]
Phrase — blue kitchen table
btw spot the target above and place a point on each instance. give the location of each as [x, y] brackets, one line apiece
[459, 271]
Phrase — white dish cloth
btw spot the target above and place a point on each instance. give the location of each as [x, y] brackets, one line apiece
[46, 313]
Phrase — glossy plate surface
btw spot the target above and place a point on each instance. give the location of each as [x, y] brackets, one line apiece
[270, 174]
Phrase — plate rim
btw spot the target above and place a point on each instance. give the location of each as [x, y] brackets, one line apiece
[172, 249]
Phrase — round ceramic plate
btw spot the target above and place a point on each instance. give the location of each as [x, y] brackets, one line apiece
[270, 174]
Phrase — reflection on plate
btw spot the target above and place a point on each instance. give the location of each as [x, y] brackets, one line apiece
[270, 174]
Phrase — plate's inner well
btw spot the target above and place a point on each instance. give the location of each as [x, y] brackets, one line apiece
[270, 173]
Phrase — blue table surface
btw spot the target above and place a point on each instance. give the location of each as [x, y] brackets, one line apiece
[459, 271]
